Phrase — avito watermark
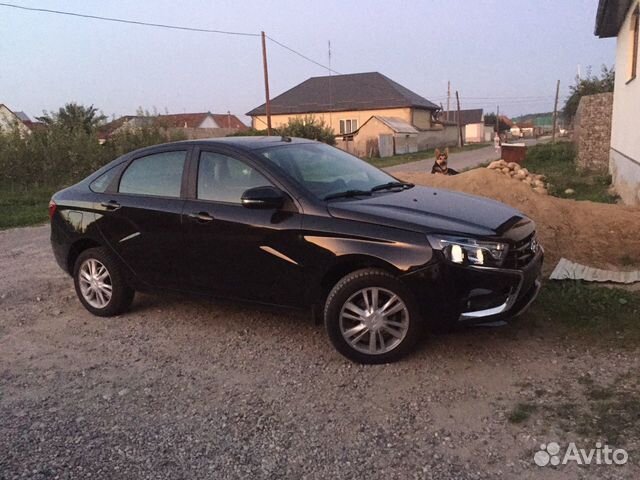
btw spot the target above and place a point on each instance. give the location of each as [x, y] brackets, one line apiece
[550, 454]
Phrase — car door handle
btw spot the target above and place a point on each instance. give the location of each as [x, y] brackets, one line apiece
[201, 216]
[111, 205]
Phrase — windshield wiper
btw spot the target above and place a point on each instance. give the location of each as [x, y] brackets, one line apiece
[387, 186]
[348, 193]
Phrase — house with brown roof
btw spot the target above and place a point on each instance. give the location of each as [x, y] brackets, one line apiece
[472, 122]
[200, 120]
[347, 102]
[10, 120]
[193, 125]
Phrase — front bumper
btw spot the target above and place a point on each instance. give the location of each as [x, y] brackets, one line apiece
[453, 294]
[522, 292]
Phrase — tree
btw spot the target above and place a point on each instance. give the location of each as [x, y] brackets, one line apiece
[75, 117]
[590, 85]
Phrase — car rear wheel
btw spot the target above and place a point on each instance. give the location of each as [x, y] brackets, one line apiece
[371, 317]
[100, 285]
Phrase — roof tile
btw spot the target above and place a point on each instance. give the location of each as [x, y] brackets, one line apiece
[358, 91]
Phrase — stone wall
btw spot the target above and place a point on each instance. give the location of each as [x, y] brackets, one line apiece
[592, 131]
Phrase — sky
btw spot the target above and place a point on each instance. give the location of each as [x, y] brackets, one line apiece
[494, 52]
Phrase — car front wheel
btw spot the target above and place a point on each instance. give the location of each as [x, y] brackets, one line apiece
[371, 317]
[100, 285]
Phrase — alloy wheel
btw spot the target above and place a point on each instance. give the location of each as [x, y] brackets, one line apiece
[374, 320]
[95, 283]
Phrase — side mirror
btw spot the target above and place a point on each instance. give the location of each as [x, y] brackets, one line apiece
[263, 198]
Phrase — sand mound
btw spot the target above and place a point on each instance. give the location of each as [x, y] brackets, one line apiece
[594, 234]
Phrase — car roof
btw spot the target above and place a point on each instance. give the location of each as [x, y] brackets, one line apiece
[245, 143]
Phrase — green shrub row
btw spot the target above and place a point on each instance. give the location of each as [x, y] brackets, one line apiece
[58, 156]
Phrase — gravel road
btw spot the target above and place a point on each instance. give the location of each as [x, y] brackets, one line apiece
[184, 388]
[459, 160]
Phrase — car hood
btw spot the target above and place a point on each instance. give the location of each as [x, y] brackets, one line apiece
[431, 210]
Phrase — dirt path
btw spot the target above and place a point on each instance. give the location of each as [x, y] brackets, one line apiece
[182, 388]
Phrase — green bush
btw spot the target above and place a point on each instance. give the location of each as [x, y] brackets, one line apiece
[551, 152]
[564, 179]
[57, 156]
[252, 132]
[309, 127]
[33, 167]
[305, 127]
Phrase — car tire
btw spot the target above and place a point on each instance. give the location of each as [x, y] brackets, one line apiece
[371, 317]
[100, 284]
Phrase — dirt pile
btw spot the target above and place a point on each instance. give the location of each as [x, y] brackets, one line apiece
[516, 172]
[594, 234]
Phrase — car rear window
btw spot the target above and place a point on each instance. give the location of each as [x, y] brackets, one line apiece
[159, 174]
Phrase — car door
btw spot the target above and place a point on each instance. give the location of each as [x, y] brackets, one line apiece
[142, 215]
[237, 251]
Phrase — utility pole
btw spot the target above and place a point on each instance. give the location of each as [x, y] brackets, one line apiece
[498, 120]
[448, 97]
[460, 141]
[266, 84]
[330, 89]
[555, 114]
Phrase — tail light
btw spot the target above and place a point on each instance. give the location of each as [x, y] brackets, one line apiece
[52, 209]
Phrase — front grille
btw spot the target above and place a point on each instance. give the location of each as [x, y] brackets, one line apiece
[521, 252]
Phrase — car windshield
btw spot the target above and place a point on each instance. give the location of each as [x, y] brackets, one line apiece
[326, 171]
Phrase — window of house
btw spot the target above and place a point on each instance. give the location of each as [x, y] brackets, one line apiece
[159, 174]
[635, 32]
[348, 126]
[224, 179]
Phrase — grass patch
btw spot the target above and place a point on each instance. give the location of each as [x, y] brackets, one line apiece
[607, 411]
[557, 163]
[415, 157]
[23, 207]
[589, 310]
[610, 413]
[521, 412]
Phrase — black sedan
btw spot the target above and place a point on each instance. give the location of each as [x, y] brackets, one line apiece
[297, 223]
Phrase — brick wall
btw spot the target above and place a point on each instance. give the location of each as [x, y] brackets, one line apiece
[592, 131]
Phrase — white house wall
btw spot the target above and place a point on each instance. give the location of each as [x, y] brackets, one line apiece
[9, 121]
[209, 122]
[624, 157]
[474, 133]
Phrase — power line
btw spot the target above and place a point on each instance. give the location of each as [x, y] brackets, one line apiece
[301, 55]
[519, 98]
[132, 22]
[162, 25]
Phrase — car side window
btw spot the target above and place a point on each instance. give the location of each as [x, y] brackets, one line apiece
[100, 184]
[224, 179]
[159, 174]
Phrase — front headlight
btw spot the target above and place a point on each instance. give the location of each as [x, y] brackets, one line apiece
[469, 251]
